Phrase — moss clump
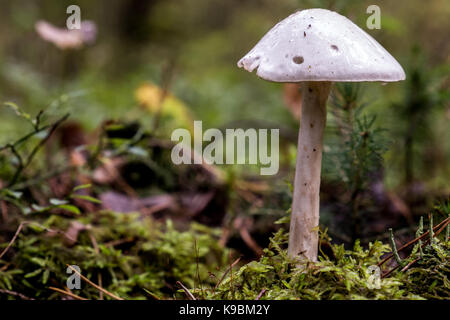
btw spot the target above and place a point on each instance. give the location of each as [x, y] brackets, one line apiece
[137, 258]
[349, 275]
[429, 277]
[128, 254]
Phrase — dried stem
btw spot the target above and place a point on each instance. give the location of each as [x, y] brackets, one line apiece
[186, 290]
[17, 294]
[226, 272]
[68, 293]
[13, 238]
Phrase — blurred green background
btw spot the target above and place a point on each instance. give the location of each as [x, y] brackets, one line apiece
[196, 44]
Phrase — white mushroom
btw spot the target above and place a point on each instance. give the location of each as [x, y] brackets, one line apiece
[316, 47]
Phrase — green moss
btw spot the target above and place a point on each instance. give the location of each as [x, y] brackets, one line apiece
[133, 254]
[348, 276]
[137, 258]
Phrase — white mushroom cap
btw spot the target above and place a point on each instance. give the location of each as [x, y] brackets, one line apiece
[320, 45]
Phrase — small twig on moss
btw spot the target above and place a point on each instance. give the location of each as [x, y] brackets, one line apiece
[249, 241]
[226, 272]
[17, 294]
[389, 272]
[263, 291]
[186, 290]
[442, 226]
[24, 164]
[447, 233]
[444, 223]
[94, 285]
[21, 225]
[40, 179]
[68, 293]
[114, 243]
[152, 295]
[410, 264]
[13, 238]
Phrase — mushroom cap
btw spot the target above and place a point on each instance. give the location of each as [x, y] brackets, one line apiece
[320, 45]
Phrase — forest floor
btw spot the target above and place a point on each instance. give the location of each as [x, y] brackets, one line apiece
[147, 229]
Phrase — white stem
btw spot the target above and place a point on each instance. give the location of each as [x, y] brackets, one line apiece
[303, 234]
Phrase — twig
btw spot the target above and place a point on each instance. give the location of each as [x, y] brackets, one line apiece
[442, 228]
[68, 293]
[390, 271]
[263, 291]
[114, 243]
[188, 293]
[39, 180]
[410, 264]
[94, 285]
[447, 232]
[152, 295]
[242, 226]
[21, 225]
[226, 272]
[17, 294]
[13, 238]
[443, 223]
[24, 164]
[414, 261]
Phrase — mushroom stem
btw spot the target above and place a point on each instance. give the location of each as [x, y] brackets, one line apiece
[303, 235]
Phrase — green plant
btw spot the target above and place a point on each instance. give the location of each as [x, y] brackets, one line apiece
[355, 150]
